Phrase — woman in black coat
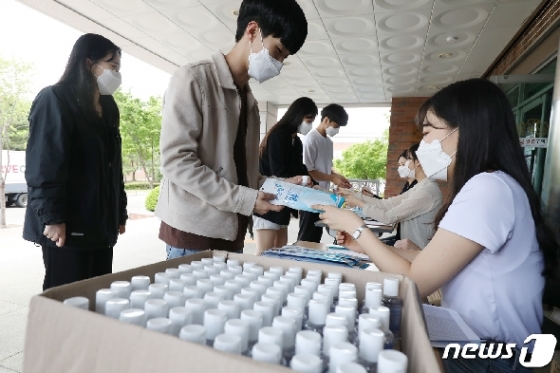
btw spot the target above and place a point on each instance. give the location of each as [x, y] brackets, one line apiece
[77, 203]
[281, 155]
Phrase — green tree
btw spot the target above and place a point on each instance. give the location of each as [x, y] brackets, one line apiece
[367, 160]
[140, 130]
[15, 83]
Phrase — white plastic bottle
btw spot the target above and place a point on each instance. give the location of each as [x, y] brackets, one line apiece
[384, 314]
[392, 301]
[372, 342]
[391, 361]
[342, 353]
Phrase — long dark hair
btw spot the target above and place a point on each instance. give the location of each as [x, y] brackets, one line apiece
[411, 152]
[290, 122]
[488, 140]
[92, 46]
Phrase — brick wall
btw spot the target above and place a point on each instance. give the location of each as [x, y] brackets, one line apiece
[535, 29]
[402, 135]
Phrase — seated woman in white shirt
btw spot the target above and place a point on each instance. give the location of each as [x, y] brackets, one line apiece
[492, 251]
[415, 210]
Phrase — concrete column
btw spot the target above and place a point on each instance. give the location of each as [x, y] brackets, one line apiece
[268, 113]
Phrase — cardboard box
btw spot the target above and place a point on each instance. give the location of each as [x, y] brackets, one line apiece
[65, 339]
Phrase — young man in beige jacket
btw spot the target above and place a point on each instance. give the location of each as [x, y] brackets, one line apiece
[211, 129]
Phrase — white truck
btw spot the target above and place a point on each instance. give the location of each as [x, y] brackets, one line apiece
[14, 172]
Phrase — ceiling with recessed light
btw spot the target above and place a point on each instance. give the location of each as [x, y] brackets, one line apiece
[357, 51]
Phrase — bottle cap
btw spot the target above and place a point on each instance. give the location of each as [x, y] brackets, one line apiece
[245, 301]
[255, 320]
[315, 273]
[214, 322]
[347, 286]
[180, 316]
[269, 334]
[348, 302]
[158, 290]
[232, 262]
[384, 314]
[138, 298]
[156, 308]
[318, 310]
[231, 309]
[334, 283]
[162, 278]
[288, 327]
[372, 342]
[123, 288]
[267, 310]
[248, 265]
[217, 279]
[308, 343]
[373, 297]
[200, 273]
[264, 279]
[193, 333]
[197, 306]
[278, 270]
[307, 364]
[211, 270]
[240, 328]
[258, 270]
[207, 261]
[267, 353]
[78, 302]
[159, 324]
[309, 284]
[392, 361]
[351, 368]
[298, 301]
[218, 258]
[177, 284]
[228, 343]
[252, 292]
[134, 316]
[205, 285]
[336, 319]
[295, 314]
[186, 268]
[191, 292]
[197, 264]
[227, 274]
[368, 321]
[140, 282]
[234, 285]
[223, 291]
[350, 313]
[333, 335]
[278, 291]
[258, 286]
[391, 287]
[335, 275]
[174, 299]
[189, 278]
[342, 353]
[213, 299]
[173, 272]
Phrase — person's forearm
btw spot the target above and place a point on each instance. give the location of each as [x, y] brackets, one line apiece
[407, 254]
[319, 176]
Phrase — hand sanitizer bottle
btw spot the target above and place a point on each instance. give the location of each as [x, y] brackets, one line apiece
[392, 301]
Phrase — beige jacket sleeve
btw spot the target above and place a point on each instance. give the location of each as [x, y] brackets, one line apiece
[403, 207]
[182, 121]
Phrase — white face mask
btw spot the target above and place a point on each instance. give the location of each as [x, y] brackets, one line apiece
[262, 66]
[332, 132]
[405, 172]
[305, 127]
[433, 159]
[109, 81]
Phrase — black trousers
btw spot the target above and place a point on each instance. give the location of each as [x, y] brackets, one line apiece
[307, 229]
[64, 265]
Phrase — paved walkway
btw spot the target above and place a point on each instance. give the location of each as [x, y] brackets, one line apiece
[21, 270]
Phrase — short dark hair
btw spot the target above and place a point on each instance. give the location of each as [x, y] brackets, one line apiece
[283, 19]
[336, 113]
[403, 155]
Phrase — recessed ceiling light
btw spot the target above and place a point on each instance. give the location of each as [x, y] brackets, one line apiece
[452, 39]
[433, 87]
[235, 12]
[310, 90]
[286, 63]
[445, 55]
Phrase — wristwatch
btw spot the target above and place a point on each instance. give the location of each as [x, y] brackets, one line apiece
[358, 232]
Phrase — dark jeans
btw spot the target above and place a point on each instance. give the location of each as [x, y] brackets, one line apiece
[307, 229]
[174, 252]
[64, 265]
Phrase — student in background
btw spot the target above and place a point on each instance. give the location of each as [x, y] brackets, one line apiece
[405, 172]
[77, 202]
[492, 250]
[318, 158]
[281, 155]
[210, 133]
[415, 210]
